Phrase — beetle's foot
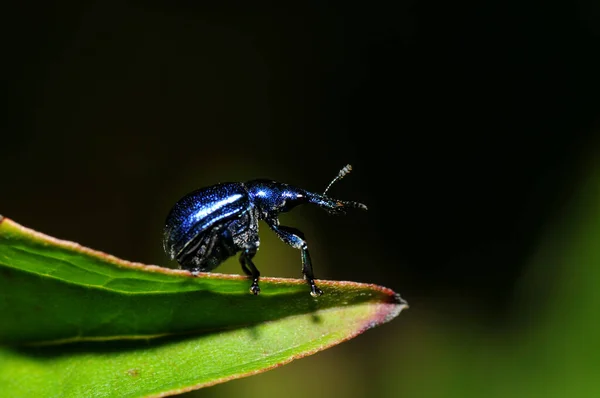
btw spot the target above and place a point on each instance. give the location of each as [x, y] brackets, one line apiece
[315, 291]
[254, 289]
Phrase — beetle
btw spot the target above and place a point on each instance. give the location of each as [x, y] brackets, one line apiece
[211, 224]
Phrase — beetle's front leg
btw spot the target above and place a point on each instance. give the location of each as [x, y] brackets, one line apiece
[250, 269]
[295, 238]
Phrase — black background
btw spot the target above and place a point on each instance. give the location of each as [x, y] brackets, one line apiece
[463, 122]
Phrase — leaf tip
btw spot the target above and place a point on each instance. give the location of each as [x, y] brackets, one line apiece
[398, 305]
[399, 300]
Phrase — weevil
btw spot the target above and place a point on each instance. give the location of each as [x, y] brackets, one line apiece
[211, 224]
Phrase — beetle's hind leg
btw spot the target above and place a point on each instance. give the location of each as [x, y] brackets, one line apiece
[249, 268]
[295, 238]
[195, 255]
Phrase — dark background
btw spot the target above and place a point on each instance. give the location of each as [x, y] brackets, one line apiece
[463, 122]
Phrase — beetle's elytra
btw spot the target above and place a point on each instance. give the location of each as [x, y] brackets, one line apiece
[211, 224]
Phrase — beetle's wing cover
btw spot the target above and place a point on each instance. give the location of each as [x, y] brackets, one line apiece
[200, 210]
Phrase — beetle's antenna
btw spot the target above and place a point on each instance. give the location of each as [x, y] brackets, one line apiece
[345, 170]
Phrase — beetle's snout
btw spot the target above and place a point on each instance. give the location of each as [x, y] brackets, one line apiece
[356, 205]
[342, 206]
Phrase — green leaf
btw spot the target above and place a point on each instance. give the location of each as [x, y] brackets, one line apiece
[76, 321]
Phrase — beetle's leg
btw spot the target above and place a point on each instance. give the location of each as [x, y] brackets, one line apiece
[250, 269]
[244, 266]
[195, 253]
[295, 238]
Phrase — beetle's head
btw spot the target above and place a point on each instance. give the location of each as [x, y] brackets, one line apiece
[273, 197]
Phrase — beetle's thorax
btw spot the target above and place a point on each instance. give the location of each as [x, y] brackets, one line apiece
[271, 197]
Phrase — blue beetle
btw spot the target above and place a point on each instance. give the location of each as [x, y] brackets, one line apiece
[209, 225]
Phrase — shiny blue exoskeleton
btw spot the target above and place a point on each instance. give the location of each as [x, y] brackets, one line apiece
[212, 224]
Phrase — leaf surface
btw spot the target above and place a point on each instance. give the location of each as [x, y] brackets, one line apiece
[77, 321]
